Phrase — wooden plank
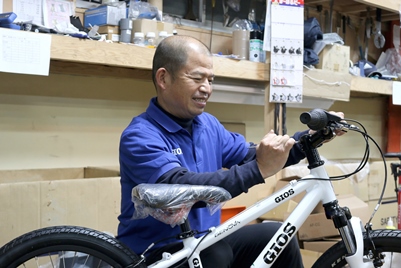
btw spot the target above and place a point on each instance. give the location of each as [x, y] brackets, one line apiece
[67, 49]
[369, 85]
[241, 69]
[94, 52]
[96, 70]
[390, 5]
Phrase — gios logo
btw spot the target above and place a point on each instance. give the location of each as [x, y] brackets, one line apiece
[279, 244]
[284, 196]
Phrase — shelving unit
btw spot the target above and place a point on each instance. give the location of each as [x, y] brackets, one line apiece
[73, 56]
[91, 58]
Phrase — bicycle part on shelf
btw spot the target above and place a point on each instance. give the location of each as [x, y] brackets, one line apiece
[379, 37]
[326, 22]
[344, 26]
[60, 244]
[190, 13]
[368, 31]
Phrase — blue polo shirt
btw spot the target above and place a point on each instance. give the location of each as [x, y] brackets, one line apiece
[152, 145]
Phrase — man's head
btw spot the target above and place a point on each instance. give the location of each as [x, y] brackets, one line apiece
[183, 73]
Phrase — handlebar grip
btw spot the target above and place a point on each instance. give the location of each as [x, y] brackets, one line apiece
[316, 119]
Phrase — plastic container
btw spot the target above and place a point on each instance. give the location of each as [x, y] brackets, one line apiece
[125, 36]
[240, 44]
[162, 35]
[254, 46]
[150, 40]
[139, 39]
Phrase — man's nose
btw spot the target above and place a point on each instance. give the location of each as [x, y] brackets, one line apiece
[206, 87]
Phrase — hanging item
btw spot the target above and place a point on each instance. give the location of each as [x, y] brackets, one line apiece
[287, 50]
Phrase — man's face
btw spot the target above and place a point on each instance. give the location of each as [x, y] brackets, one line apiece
[187, 94]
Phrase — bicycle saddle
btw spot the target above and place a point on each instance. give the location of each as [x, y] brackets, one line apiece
[171, 203]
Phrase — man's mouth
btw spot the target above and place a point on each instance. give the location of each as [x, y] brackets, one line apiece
[200, 100]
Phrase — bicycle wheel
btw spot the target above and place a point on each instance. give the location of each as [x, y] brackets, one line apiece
[385, 241]
[67, 247]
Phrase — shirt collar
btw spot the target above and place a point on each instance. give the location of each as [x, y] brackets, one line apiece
[163, 119]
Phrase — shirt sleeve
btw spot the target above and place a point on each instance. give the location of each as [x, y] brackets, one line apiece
[296, 153]
[144, 155]
[236, 180]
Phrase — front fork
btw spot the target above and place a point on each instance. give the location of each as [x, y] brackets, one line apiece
[351, 232]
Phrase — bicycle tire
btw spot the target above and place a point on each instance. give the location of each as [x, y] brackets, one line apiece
[80, 244]
[385, 241]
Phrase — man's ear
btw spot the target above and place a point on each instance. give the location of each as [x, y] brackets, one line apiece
[162, 78]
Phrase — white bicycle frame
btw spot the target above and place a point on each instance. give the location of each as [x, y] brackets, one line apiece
[316, 191]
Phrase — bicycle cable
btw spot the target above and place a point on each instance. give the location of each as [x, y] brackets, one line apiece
[362, 164]
[193, 251]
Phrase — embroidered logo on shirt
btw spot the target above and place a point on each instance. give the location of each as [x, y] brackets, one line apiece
[177, 151]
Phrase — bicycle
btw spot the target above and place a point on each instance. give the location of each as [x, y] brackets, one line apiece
[360, 246]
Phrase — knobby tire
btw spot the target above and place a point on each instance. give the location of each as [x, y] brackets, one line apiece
[386, 241]
[75, 242]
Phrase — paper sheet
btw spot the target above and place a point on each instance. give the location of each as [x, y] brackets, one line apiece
[397, 93]
[28, 11]
[24, 52]
[57, 12]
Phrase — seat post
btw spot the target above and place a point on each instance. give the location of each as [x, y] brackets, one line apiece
[186, 230]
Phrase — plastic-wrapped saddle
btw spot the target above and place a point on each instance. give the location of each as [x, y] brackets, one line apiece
[171, 203]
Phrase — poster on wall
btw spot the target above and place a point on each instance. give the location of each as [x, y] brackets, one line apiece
[286, 47]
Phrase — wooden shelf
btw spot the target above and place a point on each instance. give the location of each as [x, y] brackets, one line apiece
[326, 84]
[372, 86]
[88, 57]
[358, 7]
[346, 84]
[390, 5]
[83, 57]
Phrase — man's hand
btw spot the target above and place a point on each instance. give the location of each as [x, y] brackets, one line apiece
[272, 153]
[337, 132]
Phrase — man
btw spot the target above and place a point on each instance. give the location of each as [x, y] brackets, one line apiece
[175, 142]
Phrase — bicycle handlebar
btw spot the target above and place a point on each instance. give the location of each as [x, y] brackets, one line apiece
[318, 119]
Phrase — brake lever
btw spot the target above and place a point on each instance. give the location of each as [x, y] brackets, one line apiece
[344, 126]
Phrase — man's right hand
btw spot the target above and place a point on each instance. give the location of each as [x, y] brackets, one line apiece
[272, 153]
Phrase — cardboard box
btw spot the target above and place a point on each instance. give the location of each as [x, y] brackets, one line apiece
[388, 208]
[101, 172]
[7, 6]
[104, 15]
[309, 257]
[334, 58]
[320, 245]
[111, 32]
[356, 185]
[107, 29]
[80, 13]
[33, 199]
[318, 226]
[145, 26]
[31, 175]
[376, 180]
[255, 194]
[46, 174]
